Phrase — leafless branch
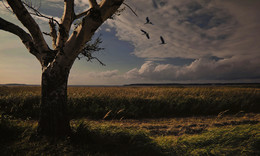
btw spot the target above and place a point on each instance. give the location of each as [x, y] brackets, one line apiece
[93, 3]
[89, 59]
[33, 3]
[26, 19]
[37, 13]
[45, 33]
[24, 36]
[52, 21]
[82, 14]
[130, 9]
[117, 13]
[64, 27]
[91, 48]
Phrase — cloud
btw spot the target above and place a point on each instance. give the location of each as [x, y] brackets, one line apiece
[201, 30]
[234, 68]
[192, 29]
[104, 75]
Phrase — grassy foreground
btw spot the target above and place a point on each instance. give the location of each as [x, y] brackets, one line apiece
[225, 135]
[136, 102]
[137, 121]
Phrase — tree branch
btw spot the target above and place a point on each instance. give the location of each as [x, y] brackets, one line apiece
[82, 14]
[109, 7]
[93, 4]
[24, 36]
[52, 21]
[26, 19]
[92, 58]
[90, 23]
[53, 32]
[67, 18]
[130, 8]
[90, 48]
[37, 13]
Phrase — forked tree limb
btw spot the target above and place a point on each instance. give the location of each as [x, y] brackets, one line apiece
[66, 21]
[81, 14]
[93, 4]
[52, 23]
[93, 19]
[24, 36]
[67, 49]
[26, 19]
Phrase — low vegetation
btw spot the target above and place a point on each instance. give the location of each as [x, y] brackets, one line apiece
[137, 121]
[228, 135]
[136, 102]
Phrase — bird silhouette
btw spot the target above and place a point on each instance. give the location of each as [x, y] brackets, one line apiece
[162, 40]
[148, 21]
[145, 33]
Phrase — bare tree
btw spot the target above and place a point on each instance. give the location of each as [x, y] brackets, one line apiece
[57, 61]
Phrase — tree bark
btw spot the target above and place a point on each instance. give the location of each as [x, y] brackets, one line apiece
[54, 120]
[56, 63]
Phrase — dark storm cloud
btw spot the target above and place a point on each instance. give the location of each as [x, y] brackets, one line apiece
[219, 37]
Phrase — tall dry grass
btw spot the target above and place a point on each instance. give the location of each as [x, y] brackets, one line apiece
[136, 102]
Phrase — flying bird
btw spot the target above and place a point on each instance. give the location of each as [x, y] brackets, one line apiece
[145, 33]
[148, 21]
[162, 40]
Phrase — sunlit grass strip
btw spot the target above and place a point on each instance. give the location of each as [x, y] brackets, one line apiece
[231, 140]
[93, 138]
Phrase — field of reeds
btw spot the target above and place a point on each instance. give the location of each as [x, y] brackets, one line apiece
[220, 120]
[136, 102]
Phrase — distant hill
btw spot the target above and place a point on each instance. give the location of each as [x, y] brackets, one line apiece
[194, 84]
[255, 85]
[18, 84]
[13, 84]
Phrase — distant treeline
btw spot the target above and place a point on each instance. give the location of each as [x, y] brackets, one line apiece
[256, 85]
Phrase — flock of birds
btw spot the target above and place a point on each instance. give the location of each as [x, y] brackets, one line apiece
[147, 34]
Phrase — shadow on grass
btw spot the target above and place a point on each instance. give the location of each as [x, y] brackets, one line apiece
[114, 141]
[19, 137]
[8, 135]
[85, 140]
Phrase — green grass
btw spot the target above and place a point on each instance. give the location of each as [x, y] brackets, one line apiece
[232, 140]
[87, 139]
[135, 102]
[185, 129]
[115, 138]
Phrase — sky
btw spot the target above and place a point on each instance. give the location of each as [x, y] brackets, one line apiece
[207, 41]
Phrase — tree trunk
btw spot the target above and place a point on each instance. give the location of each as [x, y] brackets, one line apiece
[54, 120]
